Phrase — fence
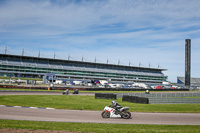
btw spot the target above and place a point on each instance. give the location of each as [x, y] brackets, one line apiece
[173, 100]
[154, 98]
[166, 98]
[161, 95]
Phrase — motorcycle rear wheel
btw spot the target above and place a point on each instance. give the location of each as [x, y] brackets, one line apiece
[105, 114]
[126, 115]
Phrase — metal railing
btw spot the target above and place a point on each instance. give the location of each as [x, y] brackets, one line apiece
[161, 95]
[167, 98]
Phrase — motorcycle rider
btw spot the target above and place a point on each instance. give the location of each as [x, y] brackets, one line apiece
[116, 106]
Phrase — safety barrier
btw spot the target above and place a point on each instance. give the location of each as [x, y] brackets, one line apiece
[133, 89]
[161, 95]
[161, 99]
[174, 100]
[135, 99]
[105, 96]
[151, 100]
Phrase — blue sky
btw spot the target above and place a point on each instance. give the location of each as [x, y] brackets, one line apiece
[137, 31]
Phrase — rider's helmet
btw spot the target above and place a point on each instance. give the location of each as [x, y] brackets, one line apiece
[114, 103]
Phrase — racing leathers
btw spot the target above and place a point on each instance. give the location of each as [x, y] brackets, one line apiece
[116, 106]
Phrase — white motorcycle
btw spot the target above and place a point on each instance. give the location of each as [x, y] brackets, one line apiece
[112, 113]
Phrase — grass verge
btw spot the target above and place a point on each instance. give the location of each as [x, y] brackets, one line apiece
[76, 102]
[99, 128]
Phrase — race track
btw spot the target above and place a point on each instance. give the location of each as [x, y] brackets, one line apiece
[61, 115]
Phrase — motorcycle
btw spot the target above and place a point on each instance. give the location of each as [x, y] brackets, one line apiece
[113, 113]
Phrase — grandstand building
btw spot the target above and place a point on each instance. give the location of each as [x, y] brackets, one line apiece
[194, 81]
[37, 67]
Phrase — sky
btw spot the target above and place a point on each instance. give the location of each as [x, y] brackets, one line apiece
[151, 33]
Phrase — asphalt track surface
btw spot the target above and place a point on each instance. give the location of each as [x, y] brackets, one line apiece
[61, 115]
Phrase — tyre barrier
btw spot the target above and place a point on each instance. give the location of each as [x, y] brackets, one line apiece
[105, 96]
[135, 99]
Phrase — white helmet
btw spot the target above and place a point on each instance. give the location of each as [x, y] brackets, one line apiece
[114, 103]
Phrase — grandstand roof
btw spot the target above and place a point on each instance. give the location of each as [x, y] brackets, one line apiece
[79, 62]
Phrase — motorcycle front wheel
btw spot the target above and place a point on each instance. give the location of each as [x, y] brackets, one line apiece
[105, 114]
[126, 115]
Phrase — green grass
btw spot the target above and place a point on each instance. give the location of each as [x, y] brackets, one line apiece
[99, 128]
[77, 102]
[89, 103]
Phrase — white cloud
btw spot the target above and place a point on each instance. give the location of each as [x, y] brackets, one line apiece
[130, 30]
[73, 16]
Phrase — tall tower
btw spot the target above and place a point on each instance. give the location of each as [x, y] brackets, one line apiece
[187, 62]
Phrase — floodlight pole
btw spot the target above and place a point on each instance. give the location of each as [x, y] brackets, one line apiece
[187, 62]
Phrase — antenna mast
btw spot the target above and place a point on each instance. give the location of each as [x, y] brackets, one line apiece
[95, 60]
[39, 54]
[23, 52]
[6, 50]
[69, 57]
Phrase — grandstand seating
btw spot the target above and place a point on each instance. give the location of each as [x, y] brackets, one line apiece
[78, 68]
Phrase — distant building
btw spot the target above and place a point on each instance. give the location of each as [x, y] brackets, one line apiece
[193, 81]
[37, 67]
